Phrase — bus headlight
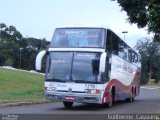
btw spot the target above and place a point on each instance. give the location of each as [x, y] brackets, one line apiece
[50, 89]
[92, 91]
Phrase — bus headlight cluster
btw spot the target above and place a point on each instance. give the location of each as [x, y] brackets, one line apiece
[50, 88]
[92, 91]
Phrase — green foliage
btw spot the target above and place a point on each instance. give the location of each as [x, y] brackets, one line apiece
[143, 13]
[18, 51]
[8, 62]
[144, 78]
[146, 13]
[157, 76]
[150, 56]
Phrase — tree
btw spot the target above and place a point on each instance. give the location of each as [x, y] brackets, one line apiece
[2, 25]
[143, 13]
[3, 32]
[17, 51]
[30, 50]
[150, 56]
[9, 62]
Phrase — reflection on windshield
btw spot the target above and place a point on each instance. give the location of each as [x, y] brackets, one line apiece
[73, 66]
[65, 37]
[60, 65]
[85, 66]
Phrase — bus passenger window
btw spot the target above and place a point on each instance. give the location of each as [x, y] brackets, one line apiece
[130, 55]
[114, 44]
[73, 41]
[139, 59]
[133, 56]
[61, 40]
[83, 42]
[136, 59]
[125, 56]
[121, 52]
[108, 42]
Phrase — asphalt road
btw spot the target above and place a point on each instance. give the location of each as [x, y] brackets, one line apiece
[147, 102]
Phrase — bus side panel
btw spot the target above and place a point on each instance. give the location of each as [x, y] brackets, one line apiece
[124, 76]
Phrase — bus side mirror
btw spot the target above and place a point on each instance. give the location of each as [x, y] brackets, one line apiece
[102, 62]
[39, 59]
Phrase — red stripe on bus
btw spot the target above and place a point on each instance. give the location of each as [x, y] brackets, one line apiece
[118, 84]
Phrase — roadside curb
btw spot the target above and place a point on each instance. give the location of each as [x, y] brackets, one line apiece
[150, 87]
[31, 71]
[22, 103]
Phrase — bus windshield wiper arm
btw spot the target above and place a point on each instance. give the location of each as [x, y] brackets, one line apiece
[55, 80]
[93, 81]
[79, 81]
[85, 81]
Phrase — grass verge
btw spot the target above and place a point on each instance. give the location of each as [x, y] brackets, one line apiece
[19, 86]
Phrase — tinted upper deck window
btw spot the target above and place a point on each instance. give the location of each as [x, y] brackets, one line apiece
[70, 37]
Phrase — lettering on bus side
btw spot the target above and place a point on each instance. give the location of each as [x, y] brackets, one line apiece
[90, 86]
[61, 85]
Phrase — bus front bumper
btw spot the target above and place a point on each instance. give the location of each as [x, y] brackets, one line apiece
[74, 97]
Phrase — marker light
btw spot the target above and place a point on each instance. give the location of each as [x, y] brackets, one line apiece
[50, 88]
[92, 91]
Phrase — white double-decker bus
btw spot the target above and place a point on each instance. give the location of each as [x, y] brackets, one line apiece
[90, 65]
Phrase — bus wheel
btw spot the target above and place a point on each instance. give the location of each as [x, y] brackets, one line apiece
[131, 98]
[67, 104]
[111, 101]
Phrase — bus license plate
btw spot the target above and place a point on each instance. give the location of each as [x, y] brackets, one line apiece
[69, 97]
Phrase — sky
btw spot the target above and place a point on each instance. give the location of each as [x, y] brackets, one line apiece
[39, 18]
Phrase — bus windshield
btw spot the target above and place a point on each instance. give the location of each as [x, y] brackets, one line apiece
[80, 37]
[73, 67]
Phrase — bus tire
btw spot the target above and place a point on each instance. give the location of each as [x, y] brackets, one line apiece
[67, 104]
[109, 105]
[135, 91]
[112, 95]
[131, 98]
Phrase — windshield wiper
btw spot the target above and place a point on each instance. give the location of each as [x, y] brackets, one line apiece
[79, 81]
[85, 81]
[55, 80]
[93, 82]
